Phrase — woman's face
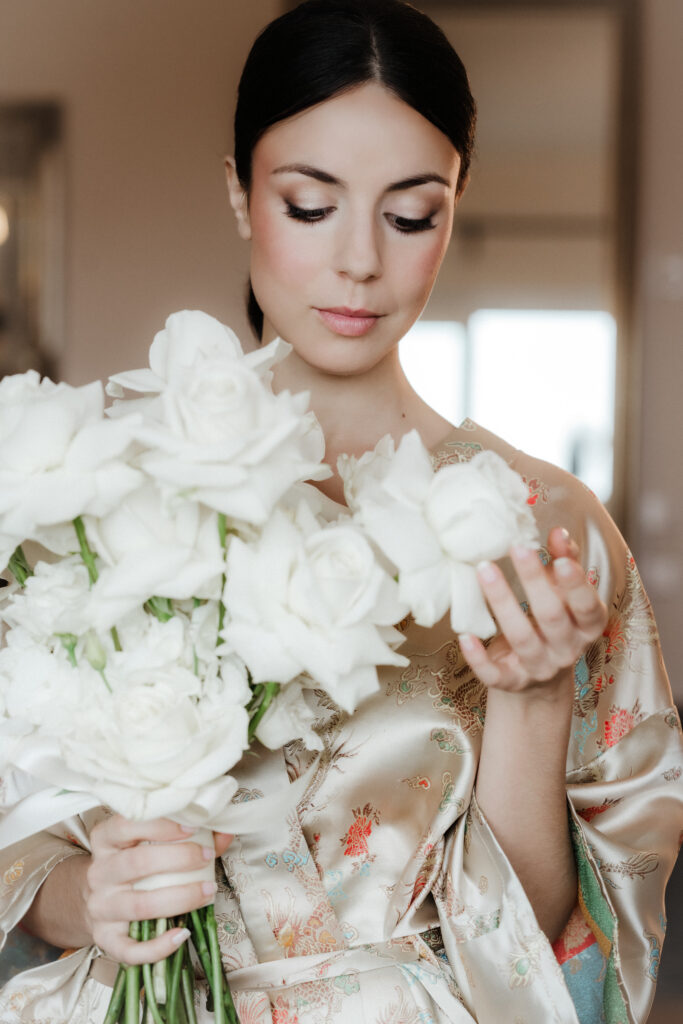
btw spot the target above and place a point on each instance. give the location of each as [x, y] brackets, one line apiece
[349, 215]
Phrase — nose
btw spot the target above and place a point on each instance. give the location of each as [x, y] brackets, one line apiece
[358, 253]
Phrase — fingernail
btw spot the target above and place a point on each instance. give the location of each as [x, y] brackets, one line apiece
[209, 888]
[564, 567]
[208, 853]
[467, 641]
[523, 552]
[187, 830]
[565, 533]
[487, 572]
[180, 936]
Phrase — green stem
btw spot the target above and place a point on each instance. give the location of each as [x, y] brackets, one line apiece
[199, 939]
[116, 1001]
[69, 641]
[174, 985]
[19, 567]
[159, 968]
[114, 633]
[161, 607]
[87, 553]
[132, 1013]
[187, 984]
[223, 537]
[150, 1001]
[217, 979]
[271, 691]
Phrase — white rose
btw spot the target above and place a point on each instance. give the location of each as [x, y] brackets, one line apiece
[58, 457]
[289, 718]
[216, 432]
[160, 739]
[312, 599]
[56, 599]
[39, 686]
[435, 528]
[149, 548]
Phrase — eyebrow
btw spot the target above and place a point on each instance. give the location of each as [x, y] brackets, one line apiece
[329, 179]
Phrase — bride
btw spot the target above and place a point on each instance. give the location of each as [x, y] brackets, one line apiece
[488, 838]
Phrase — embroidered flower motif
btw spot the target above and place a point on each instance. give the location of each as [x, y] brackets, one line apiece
[537, 491]
[356, 839]
[418, 782]
[620, 722]
[13, 873]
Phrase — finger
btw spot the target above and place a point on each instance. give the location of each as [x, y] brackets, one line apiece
[493, 666]
[116, 943]
[222, 841]
[513, 623]
[548, 606]
[144, 905]
[145, 859]
[588, 611]
[118, 832]
[561, 544]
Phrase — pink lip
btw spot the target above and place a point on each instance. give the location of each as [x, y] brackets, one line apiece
[351, 323]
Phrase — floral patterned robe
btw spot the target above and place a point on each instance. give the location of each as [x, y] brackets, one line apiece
[384, 897]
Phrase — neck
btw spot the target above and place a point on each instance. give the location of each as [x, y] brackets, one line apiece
[355, 411]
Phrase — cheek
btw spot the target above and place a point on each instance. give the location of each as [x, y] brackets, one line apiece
[420, 267]
[283, 250]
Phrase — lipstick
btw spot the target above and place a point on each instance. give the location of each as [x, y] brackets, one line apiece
[351, 323]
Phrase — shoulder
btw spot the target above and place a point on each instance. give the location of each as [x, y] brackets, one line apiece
[557, 498]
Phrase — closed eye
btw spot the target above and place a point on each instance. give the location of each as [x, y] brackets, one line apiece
[407, 226]
[307, 216]
[404, 225]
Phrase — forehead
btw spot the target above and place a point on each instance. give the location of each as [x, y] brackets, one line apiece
[367, 133]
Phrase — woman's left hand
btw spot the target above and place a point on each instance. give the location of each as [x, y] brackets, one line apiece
[566, 616]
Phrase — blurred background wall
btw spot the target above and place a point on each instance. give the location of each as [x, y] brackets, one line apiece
[114, 119]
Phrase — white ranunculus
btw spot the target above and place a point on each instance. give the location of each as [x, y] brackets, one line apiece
[56, 599]
[148, 548]
[435, 528]
[311, 599]
[212, 428]
[289, 718]
[59, 458]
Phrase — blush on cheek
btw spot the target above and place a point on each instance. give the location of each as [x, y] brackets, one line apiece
[287, 259]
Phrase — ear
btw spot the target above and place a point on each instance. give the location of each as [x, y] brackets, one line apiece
[463, 187]
[239, 199]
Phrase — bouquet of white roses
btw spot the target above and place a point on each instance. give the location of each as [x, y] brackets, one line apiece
[187, 590]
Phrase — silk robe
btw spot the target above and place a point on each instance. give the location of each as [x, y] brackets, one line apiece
[384, 896]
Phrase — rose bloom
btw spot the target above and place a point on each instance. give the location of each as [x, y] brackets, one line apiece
[213, 430]
[435, 528]
[310, 599]
[59, 458]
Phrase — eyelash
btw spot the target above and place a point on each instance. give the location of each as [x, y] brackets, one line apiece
[410, 227]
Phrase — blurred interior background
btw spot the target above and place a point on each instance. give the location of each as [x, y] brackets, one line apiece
[561, 299]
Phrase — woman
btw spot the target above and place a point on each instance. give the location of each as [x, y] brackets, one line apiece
[398, 893]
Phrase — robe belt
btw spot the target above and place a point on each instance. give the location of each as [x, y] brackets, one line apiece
[295, 970]
[408, 952]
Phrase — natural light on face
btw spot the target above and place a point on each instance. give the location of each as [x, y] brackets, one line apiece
[523, 375]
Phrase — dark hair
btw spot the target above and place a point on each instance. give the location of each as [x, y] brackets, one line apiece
[324, 47]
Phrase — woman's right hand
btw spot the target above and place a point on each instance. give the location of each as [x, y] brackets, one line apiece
[122, 853]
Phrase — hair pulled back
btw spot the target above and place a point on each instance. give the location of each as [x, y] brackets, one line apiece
[324, 47]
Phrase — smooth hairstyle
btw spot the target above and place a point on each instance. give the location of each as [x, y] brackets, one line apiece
[325, 47]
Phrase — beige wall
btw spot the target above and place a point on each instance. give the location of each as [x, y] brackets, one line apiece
[148, 90]
[657, 497]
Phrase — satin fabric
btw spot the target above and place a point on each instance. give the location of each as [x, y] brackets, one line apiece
[384, 897]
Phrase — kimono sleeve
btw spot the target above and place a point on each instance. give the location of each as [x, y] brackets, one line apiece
[25, 865]
[625, 803]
